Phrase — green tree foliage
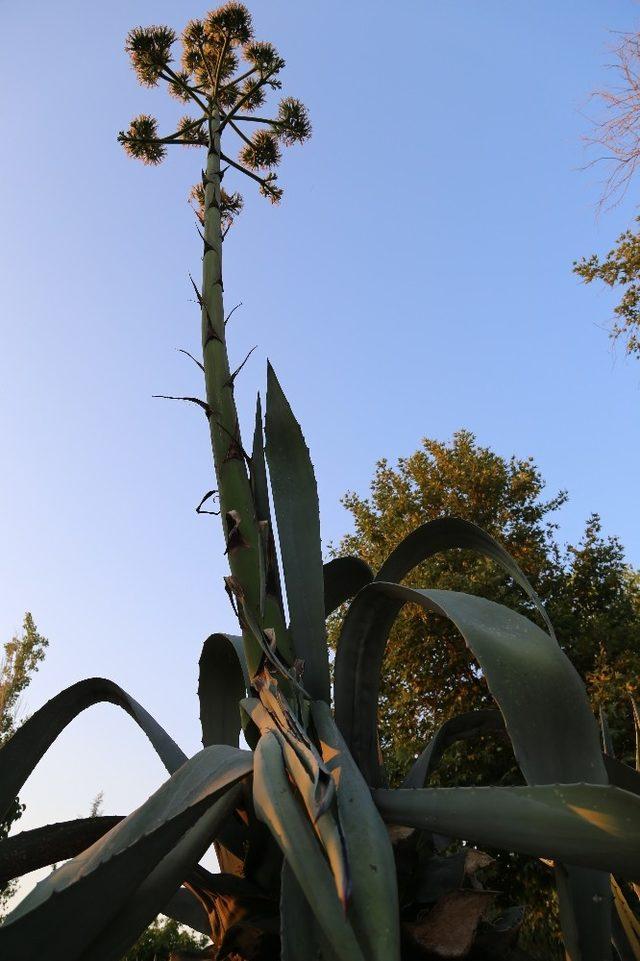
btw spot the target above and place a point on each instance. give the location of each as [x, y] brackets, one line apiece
[429, 675]
[619, 268]
[165, 938]
[616, 133]
[21, 657]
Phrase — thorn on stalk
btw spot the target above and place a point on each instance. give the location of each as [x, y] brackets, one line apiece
[230, 381]
[181, 350]
[192, 400]
[232, 311]
[207, 496]
[236, 451]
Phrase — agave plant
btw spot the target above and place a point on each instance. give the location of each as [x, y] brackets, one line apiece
[318, 858]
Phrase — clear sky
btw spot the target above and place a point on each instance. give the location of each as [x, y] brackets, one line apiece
[416, 279]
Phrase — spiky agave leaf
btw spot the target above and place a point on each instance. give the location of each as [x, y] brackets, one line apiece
[150, 51]
[141, 140]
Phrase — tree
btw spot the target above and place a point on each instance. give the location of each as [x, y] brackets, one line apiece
[21, 658]
[617, 133]
[165, 939]
[429, 675]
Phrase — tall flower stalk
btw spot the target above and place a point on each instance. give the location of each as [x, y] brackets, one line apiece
[225, 74]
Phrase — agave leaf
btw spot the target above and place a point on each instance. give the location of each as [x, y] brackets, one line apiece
[595, 826]
[277, 806]
[113, 889]
[636, 727]
[301, 937]
[447, 533]
[541, 696]
[627, 921]
[20, 755]
[185, 908]
[308, 772]
[273, 613]
[224, 680]
[49, 844]
[163, 881]
[621, 775]
[343, 578]
[374, 910]
[295, 499]
[605, 733]
[459, 728]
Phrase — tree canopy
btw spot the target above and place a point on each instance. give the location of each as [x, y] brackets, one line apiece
[429, 674]
[616, 132]
[21, 658]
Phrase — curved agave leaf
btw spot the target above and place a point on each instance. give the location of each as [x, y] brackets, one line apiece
[374, 910]
[596, 826]
[20, 755]
[447, 533]
[49, 844]
[185, 908]
[541, 696]
[295, 498]
[96, 905]
[343, 578]
[223, 682]
[277, 806]
[459, 728]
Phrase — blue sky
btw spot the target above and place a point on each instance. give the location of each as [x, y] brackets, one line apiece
[416, 279]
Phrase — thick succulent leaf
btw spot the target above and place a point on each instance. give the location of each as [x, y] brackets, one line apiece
[277, 806]
[185, 908]
[605, 733]
[590, 825]
[343, 578]
[374, 911]
[95, 905]
[447, 533]
[223, 682]
[543, 701]
[260, 487]
[459, 728]
[541, 696]
[20, 755]
[163, 881]
[295, 498]
[636, 727]
[627, 931]
[621, 775]
[43, 846]
[273, 613]
[301, 936]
